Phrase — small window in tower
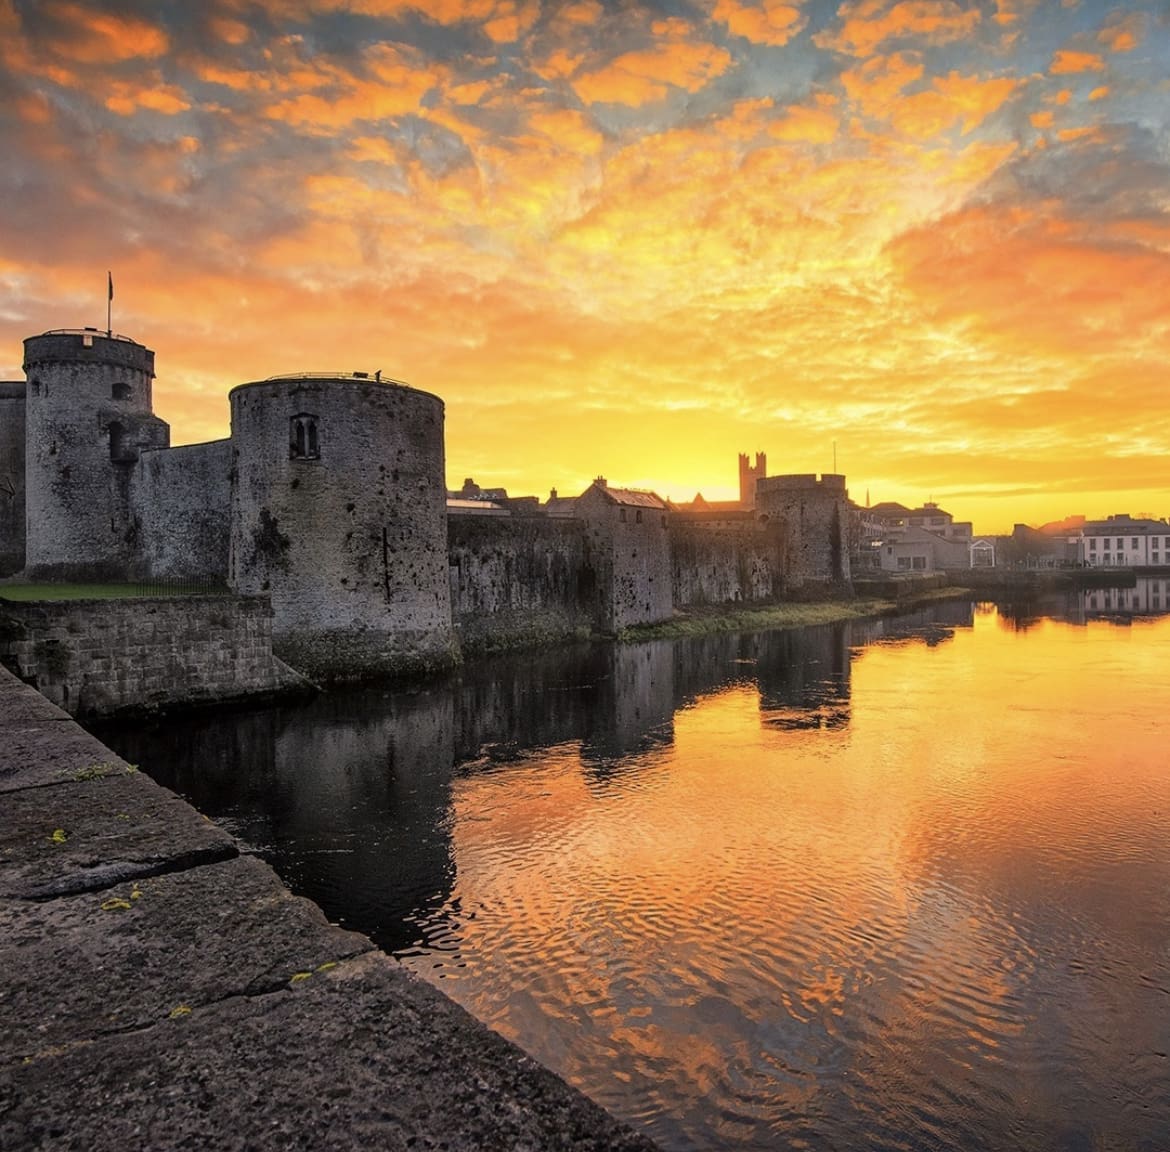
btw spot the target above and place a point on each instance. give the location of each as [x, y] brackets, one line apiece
[303, 442]
[120, 391]
[120, 448]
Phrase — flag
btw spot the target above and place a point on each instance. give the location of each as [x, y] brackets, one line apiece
[110, 281]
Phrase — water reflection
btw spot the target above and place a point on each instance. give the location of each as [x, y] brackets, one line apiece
[899, 883]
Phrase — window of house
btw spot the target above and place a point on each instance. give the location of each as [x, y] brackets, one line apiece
[1120, 544]
[303, 438]
[638, 516]
[918, 562]
[1092, 545]
[621, 514]
[120, 391]
[903, 561]
[1134, 542]
[1107, 543]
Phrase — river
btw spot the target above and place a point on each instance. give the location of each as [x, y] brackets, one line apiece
[891, 884]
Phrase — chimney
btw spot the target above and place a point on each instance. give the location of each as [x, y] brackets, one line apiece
[552, 493]
[601, 482]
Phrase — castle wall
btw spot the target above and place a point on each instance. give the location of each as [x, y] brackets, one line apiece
[12, 433]
[339, 514]
[629, 548]
[98, 657]
[182, 503]
[726, 564]
[816, 515]
[519, 580]
[88, 413]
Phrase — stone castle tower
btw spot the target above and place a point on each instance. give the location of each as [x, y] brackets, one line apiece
[87, 416]
[748, 477]
[339, 514]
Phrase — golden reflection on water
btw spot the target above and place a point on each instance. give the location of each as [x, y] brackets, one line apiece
[916, 886]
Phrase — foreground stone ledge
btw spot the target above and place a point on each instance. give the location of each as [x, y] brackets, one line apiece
[51, 752]
[20, 704]
[85, 835]
[201, 1005]
[362, 1055]
[78, 967]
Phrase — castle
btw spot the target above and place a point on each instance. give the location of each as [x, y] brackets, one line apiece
[329, 498]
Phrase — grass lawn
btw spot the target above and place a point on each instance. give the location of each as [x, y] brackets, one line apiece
[96, 591]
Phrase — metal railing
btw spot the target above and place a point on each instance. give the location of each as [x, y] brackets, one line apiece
[90, 332]
[329, 374]
[194, 586]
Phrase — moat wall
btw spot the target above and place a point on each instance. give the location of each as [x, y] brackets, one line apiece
[99, 657]
[519, 580]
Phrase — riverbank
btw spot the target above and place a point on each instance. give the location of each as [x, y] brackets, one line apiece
[162, 989]
[792, 614]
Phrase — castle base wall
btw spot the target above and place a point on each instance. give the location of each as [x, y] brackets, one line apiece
[337, 655]
[101, 657]
[12, 437]
[519, 581]
[182, 504]
[726, 565]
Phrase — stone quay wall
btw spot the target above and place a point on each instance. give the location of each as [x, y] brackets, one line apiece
[163, 989]
[519, 580]
[101, 657]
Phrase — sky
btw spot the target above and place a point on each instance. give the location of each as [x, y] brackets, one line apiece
[927, 239]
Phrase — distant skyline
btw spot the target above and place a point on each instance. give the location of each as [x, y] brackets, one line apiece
[632, 239]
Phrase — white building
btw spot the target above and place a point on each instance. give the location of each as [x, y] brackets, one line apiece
[1123, 542]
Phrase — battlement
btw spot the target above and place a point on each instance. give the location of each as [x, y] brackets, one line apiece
[87, 346]
[827, 483]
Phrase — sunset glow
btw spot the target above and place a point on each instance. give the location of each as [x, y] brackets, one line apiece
[630, 239]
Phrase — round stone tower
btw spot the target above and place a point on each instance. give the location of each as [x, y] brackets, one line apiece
[88, 412]
[339, 514]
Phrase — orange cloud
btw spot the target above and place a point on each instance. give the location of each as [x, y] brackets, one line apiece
[103, 37]
[868, 24]
[806, 125]
[230, 31]
[1067, 63]
[647, 75]
[1099, 93]
[877, 87]
[1123, 33]
[127, 98]
[394, 85]
[772, 22]
[876, 84]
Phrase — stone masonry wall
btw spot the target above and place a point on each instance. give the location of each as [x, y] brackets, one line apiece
[519, 580]
[11, 478]
[88, 414]
[726, 565]
[349, 538]
[98, 657]
[182, 501]
[817, 517]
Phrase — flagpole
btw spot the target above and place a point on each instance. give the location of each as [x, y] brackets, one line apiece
[109, 301]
